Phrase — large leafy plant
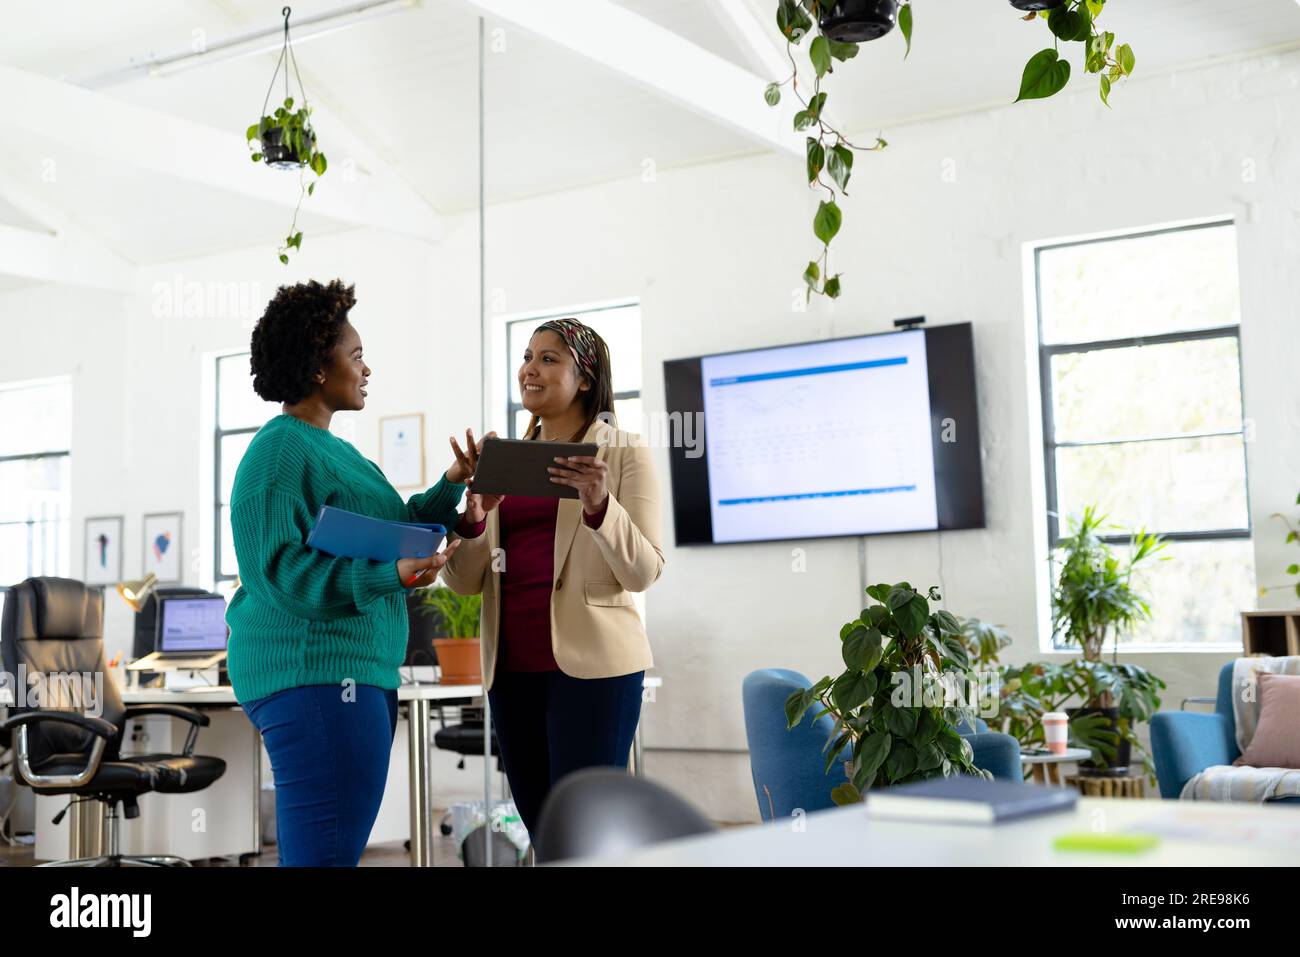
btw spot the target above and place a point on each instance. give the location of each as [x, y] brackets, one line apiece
[984, 641]
[895, 653]
[459, 613]
[1292, 569]
[829, 153]
[1029, 691]
[1095, 595]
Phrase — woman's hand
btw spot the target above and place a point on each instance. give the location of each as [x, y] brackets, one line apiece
[477, 506]
[418, 572]
[587, 474]
[466, 459]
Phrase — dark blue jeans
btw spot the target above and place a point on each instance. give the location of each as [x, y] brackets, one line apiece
[549, 724]
[329, 748]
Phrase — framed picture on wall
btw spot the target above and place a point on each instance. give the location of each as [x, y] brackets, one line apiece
[162, 546]
[401, 449]
[103, 550]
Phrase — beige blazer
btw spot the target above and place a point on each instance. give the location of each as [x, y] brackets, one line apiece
[596, 631]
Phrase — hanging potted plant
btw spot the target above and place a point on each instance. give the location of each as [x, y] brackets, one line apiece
[458, 652]
[285, 139]
[837, 27]
[857, 21]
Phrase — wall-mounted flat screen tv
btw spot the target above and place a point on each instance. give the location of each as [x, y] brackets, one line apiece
[866, 435]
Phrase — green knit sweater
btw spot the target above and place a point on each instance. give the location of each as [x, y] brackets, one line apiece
[302, 617]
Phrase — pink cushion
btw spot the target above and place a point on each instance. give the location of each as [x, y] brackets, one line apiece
[1276, 743]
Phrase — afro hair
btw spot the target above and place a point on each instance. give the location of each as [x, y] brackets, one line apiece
[295, 336]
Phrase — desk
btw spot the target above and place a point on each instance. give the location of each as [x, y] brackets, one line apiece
[1243, 835]
[649, 685]
[418, 700]
[419, 705]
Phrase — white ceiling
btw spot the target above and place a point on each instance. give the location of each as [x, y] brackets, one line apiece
[406, 85]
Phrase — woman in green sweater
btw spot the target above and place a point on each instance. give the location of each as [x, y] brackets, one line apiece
[316, 640]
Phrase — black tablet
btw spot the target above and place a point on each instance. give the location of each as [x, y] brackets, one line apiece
[518, 467]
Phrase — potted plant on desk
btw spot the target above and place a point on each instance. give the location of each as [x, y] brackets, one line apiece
[458, 652]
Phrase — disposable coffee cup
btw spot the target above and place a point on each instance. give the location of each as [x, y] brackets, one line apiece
[1056, 731]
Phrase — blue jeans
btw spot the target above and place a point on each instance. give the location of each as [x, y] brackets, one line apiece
[329, 747]
[549, 724]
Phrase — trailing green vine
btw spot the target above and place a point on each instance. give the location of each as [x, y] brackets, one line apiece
[1292, 535]
[285, 140]
[829, 153]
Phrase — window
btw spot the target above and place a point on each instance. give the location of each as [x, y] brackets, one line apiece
[1139, 351]
[619, 326]
[239, 414]
[35, 486]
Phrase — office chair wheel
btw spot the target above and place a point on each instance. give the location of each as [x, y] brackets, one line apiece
[161, 860]
[444, 826]
[123, 860]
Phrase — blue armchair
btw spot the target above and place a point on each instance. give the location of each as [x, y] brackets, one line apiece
[1184, 743]
[788, 766]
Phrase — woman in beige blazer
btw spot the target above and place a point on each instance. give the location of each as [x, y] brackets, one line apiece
[564, 648]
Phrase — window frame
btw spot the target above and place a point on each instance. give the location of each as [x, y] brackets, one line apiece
[32, 523]
[47, 454]
[218, 434]
[1046, 353]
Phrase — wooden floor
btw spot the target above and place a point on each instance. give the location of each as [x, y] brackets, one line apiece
[377, 855]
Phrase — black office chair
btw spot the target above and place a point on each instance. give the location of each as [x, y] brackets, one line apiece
[54, 626]
[599, 811]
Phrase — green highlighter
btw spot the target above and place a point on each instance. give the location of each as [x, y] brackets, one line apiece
[1106, 843]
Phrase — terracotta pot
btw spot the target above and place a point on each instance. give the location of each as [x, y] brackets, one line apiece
[459, 660]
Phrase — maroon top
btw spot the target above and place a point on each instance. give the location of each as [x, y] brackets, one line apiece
[527, 526]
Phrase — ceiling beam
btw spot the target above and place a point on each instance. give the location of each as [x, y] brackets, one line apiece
[63, 252]
[74, 262]
[343, 143]
[97, 124]
[656, 59]
[738, 18]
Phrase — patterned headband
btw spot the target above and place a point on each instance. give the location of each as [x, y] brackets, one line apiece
[581, 340]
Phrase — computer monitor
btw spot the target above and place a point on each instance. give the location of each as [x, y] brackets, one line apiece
[191, 625]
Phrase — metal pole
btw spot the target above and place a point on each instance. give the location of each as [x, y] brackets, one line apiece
[418, 713]
[257, 791]
[482, 356]
[86, 829]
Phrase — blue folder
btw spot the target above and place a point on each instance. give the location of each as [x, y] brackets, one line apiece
[349, 535]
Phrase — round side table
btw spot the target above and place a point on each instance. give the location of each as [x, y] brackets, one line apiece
[1046, 768]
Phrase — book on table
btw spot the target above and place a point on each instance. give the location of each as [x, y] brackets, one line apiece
[964, 799]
